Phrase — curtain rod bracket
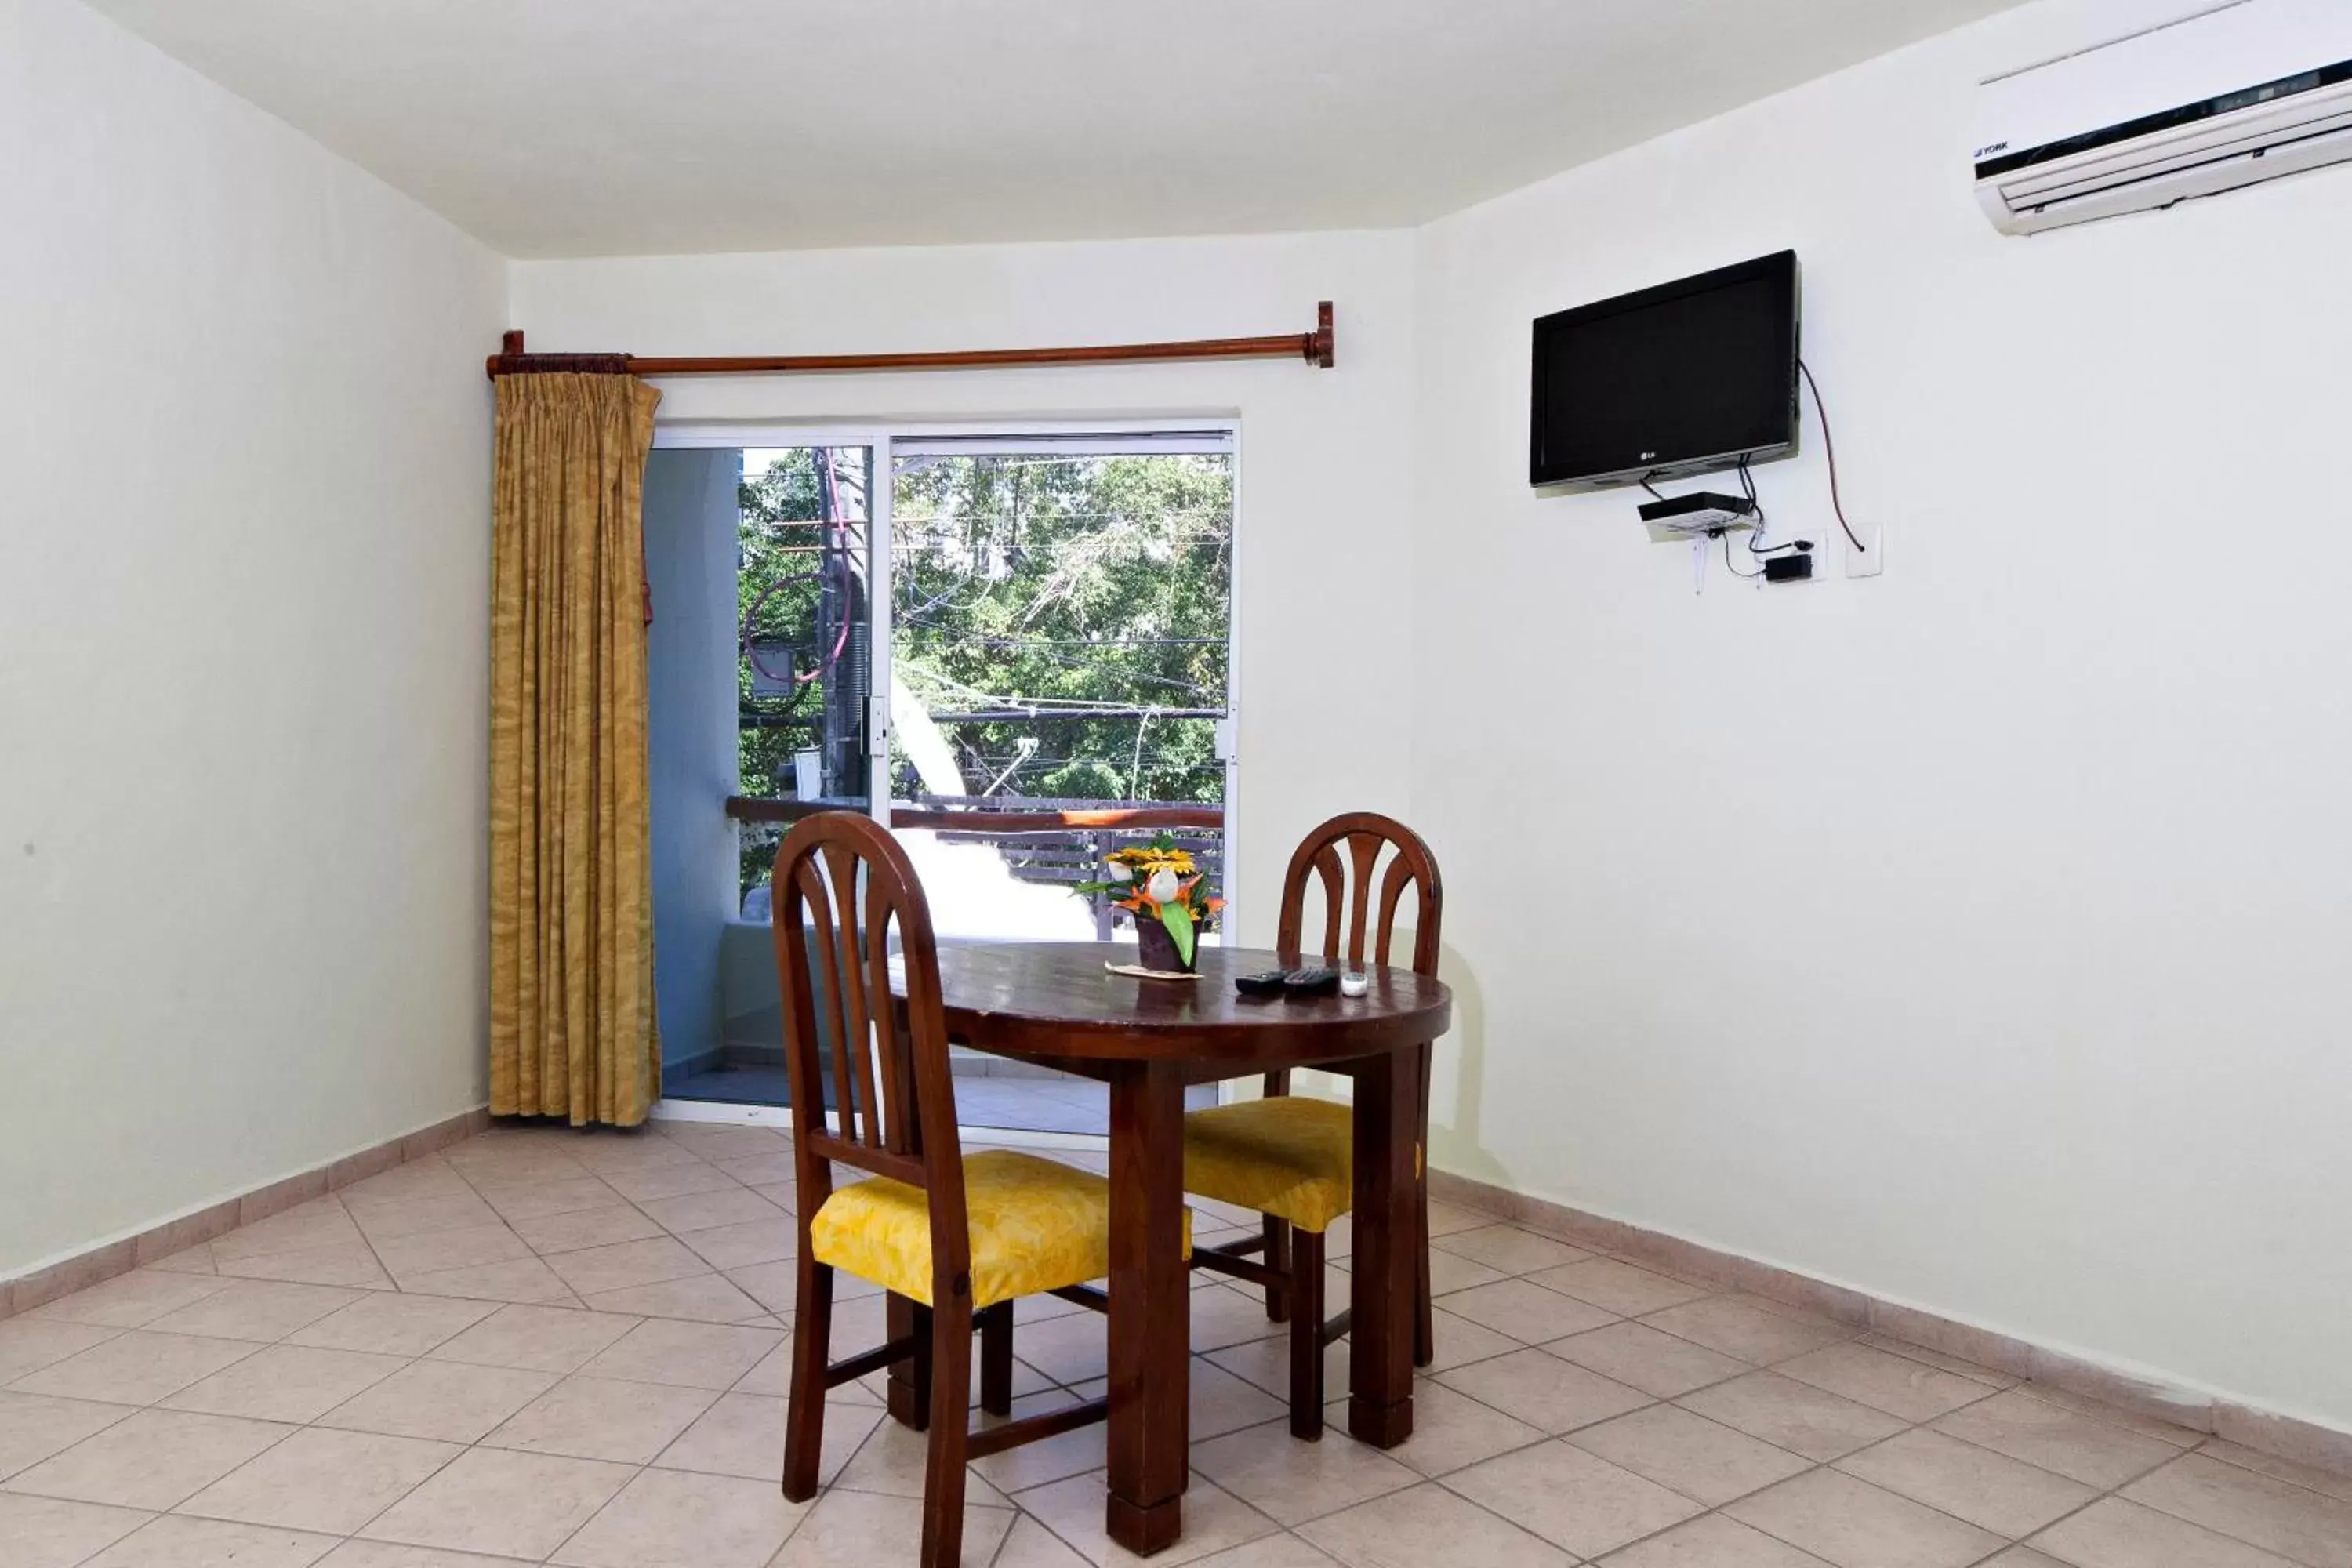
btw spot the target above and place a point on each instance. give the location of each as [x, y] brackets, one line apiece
[511, 360]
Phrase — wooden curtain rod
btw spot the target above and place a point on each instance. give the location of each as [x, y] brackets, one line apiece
[1313, 347]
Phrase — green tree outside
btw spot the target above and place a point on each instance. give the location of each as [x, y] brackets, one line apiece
[1020, 581]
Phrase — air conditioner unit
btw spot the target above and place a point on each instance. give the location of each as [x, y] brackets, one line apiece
[2226, 97]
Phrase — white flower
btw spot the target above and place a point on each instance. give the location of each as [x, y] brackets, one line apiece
[1120, 873]
[1162, 887]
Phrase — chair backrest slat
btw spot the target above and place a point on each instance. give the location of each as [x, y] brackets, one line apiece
[1353, 902]
[843, 866]
[824, 926]
[1400, 875]
[1335, 893]
[899, 1137]
[842, 886]
[1363, 849]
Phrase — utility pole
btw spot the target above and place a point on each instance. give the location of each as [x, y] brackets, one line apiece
[841, 625]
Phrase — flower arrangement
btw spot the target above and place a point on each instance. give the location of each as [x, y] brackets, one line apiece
[1159, 886]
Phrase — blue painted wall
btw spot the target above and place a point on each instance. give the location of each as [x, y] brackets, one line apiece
[690, 523]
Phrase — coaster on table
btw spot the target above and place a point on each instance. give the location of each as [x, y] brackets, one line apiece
[1139, 972]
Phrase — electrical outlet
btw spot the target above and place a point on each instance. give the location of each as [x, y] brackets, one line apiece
[1871, 559]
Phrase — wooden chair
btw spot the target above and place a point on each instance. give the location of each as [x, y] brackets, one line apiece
[952, 1240]
[1290, 1157]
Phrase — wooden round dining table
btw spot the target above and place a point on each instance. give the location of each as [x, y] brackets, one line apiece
[1056, 1004]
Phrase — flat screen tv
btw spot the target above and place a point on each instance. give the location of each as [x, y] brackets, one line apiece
[1685, 378]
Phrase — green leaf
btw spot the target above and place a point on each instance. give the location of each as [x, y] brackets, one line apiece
[1178, 921]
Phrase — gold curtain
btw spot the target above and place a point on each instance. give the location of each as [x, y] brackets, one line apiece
[571, 977]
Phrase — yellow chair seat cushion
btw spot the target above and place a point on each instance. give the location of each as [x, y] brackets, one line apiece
[1036, 1225]
[1291, 1156]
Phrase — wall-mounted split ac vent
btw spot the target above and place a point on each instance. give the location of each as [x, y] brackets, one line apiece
[2224, 98]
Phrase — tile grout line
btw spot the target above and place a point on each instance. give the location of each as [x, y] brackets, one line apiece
[2226, 1534]
[1849, 1335]
[1734, 1294]
[2116, 1491]
[2264, 1430]
[1812, 1465]
[2023, 1386]
[369, 1242]
[2008, 1542]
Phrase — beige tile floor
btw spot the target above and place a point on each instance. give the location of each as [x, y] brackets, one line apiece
[549, 1347]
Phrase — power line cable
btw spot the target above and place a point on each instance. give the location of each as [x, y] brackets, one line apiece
[1829, 450]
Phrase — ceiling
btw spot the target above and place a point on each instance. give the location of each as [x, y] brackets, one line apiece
[619, 127]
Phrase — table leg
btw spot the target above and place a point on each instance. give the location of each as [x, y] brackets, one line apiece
[1380, 1366]
[1151, 1317]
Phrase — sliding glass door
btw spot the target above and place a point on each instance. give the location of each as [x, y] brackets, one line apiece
[1060, 656]
[1014, 650]
[1060, 644]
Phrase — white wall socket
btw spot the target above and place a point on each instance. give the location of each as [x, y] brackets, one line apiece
[1870, 560]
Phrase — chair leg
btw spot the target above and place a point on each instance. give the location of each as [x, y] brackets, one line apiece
[950, 1417]
[804, 1412]
[996, 1358]
[910, 1379]
[1277, 1257]
[1306, 1334]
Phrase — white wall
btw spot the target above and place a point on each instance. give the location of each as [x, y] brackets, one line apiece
[1974, 935]
[244, 545]
[1971, 935]
[1327, 456]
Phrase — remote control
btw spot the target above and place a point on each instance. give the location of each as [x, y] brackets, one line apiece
[1308, 982]
[1266, 985]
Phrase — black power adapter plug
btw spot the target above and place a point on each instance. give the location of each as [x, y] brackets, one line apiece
[1794, 568]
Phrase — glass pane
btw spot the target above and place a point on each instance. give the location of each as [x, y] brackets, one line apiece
[1059, 642]
[805, 664]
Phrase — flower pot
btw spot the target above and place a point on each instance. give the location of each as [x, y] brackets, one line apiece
[1156, 948]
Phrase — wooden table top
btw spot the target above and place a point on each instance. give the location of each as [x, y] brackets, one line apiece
[1056, 999]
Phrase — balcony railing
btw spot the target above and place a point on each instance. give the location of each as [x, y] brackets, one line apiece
[1054, 842]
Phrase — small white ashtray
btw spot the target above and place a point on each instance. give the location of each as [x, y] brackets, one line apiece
[1354, 984]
